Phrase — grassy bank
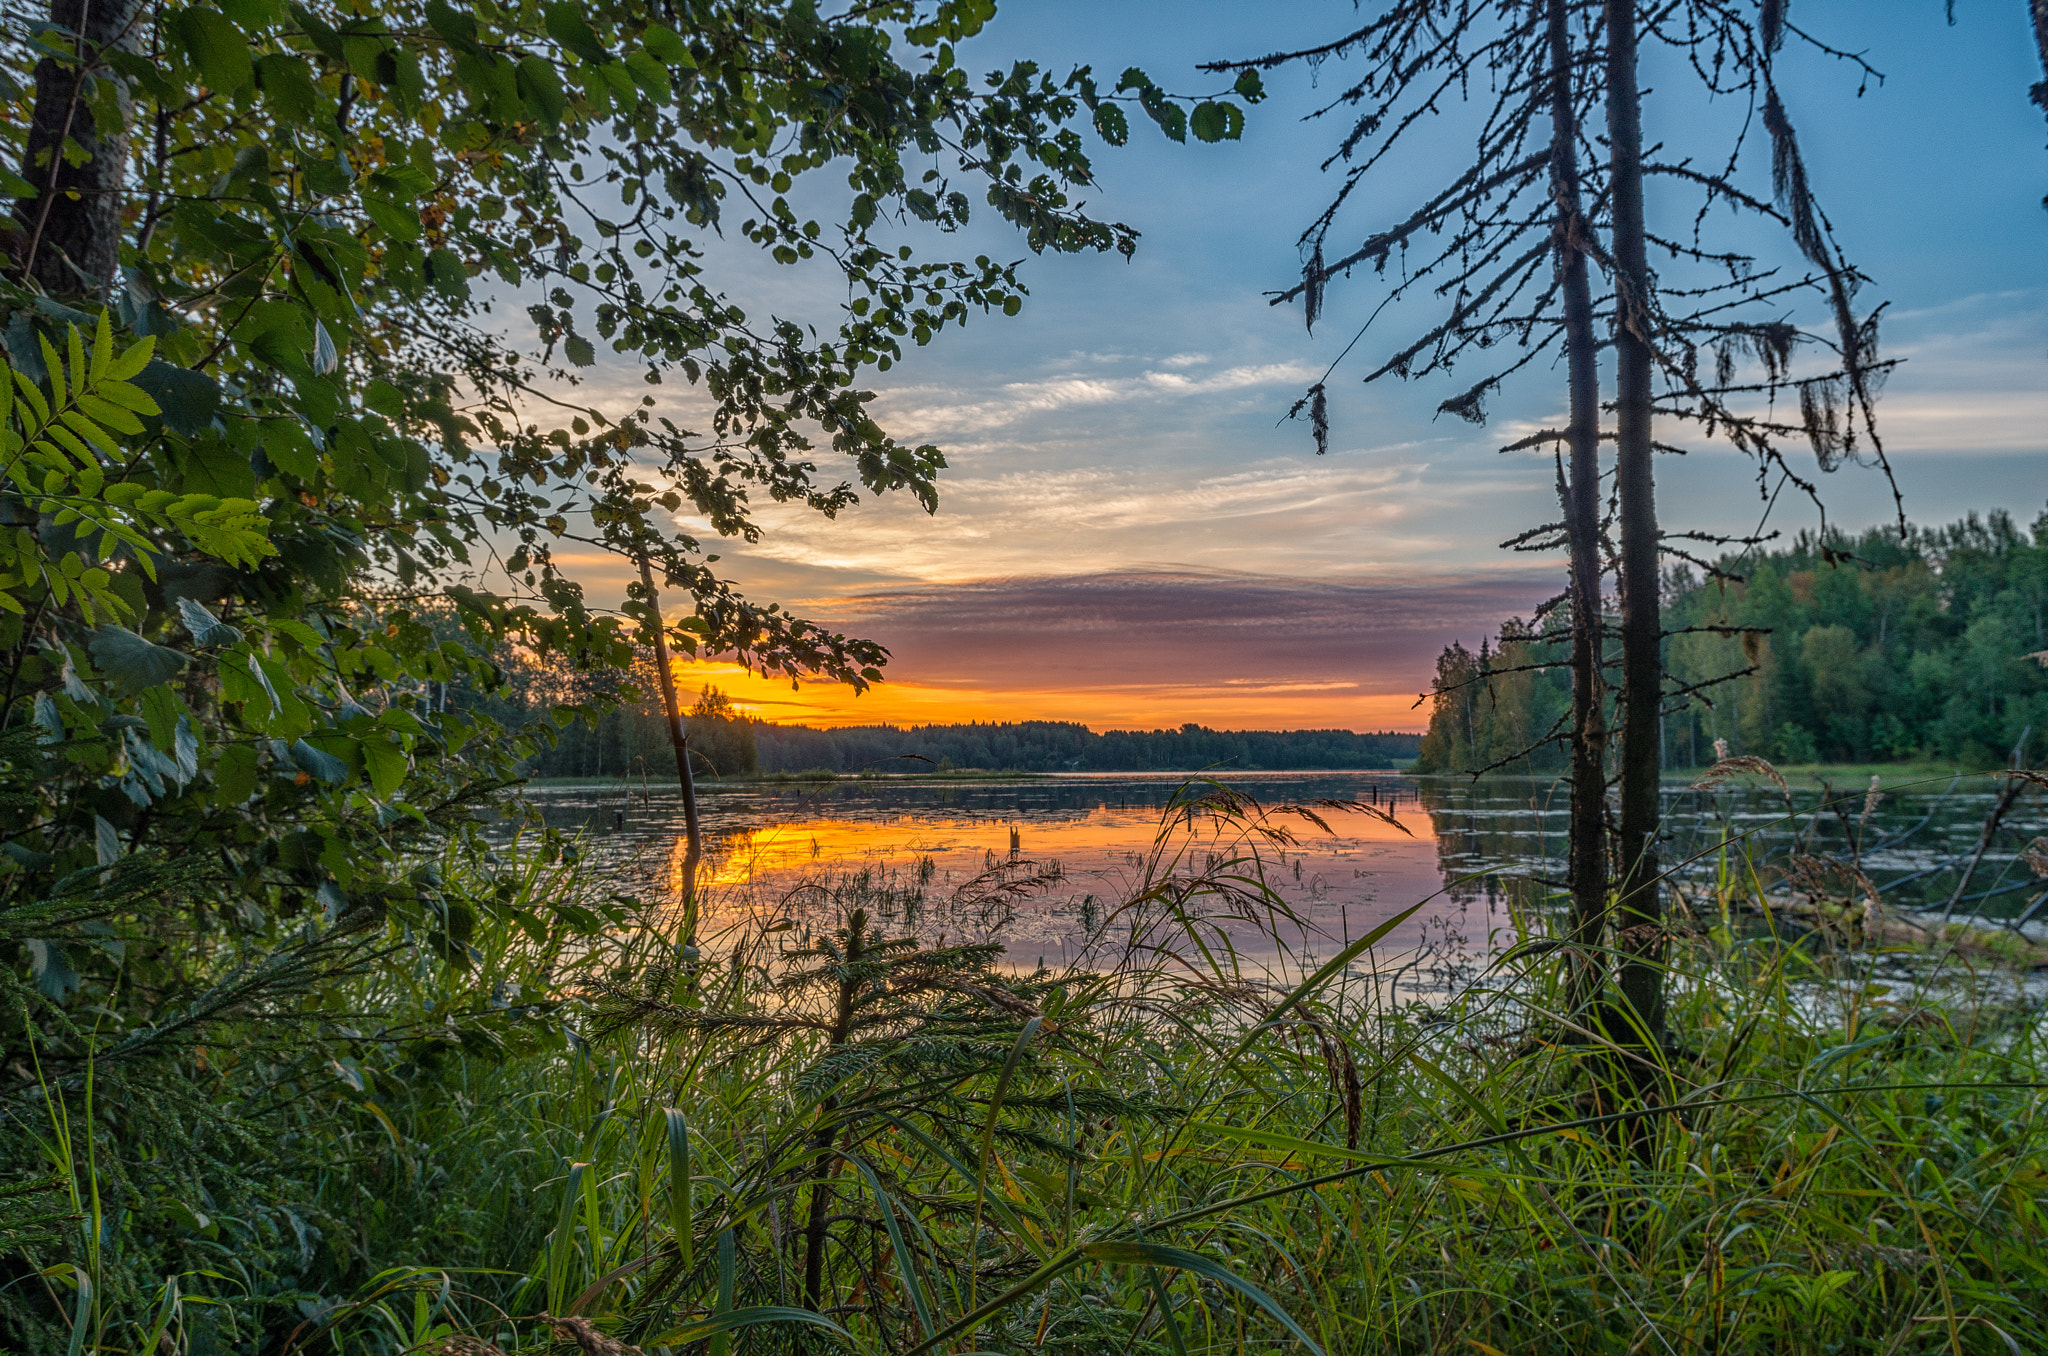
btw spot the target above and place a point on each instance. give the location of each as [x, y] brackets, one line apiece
[875, 1138]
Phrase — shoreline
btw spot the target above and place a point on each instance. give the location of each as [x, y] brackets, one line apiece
[1843, 777]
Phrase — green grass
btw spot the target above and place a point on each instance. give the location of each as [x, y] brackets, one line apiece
[1158, 1154]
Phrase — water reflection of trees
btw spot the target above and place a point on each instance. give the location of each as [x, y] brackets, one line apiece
[1501, 839]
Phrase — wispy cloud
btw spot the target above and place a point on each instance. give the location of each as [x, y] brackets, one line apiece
[934, 412]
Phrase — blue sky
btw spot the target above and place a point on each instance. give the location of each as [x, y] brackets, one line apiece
[1130, 535]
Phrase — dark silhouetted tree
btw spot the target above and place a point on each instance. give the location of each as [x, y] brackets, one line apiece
[1500, 250]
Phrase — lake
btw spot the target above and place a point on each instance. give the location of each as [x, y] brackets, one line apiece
[1040, 863]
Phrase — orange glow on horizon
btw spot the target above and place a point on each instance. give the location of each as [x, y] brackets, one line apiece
[1236, 706]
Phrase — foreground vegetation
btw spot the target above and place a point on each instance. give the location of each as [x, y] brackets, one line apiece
[833, 1128]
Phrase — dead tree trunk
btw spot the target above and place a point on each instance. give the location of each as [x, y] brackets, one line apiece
[2039, 92]
[69, 234]
[679, 740]
[1640, 915]
[1580, 491]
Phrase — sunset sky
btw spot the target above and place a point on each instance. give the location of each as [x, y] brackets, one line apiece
[1130, 537]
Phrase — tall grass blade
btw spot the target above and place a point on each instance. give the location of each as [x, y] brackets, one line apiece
[562, 1248]
[682, 1212]
[721, 1338]
[988, 1128]
[905, 1263]
[720, 1325]
[1180, 1259]
[1322, 976]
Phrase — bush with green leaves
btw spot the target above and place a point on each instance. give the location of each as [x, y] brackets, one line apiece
[301, 310]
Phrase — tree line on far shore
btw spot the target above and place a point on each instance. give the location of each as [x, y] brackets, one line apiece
[1844, 649]
[629, 738]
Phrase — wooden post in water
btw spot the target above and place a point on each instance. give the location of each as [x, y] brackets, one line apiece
[679, 739]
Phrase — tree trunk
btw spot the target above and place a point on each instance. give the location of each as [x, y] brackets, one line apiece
[1642, 666]
[1581, 495]
[69, 235]
[2040, 12]
[679, 740]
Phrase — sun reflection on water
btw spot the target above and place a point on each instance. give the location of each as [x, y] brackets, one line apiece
[1343, 881]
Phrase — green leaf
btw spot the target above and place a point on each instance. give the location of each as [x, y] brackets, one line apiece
[287, 81]
[130, 361]
[325, 357]
[385, 399]
[1249, 86]
[649, 74]
[131, 662]
[188, 399]
[234, 774]
[291, 450]
[206, 628]
[327, 178]
[253, 15]
[446, 271]
[52, 970]
[1172, 119]
[211, 465]
[408, 79]
[161, 707]
[665, 46]
[1216, 122]
[562, 1242]
[217, 47]
[316, 28]
[102, 347]
[455, 28]
[399, 220]
[385, 763]
[566, 25]
[318, 764]
[578, 350]
[106, 842]
[1112, 124]
[541, 89]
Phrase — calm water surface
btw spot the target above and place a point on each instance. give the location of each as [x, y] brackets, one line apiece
[1487, 857]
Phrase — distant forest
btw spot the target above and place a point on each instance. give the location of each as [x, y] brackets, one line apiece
[1864, 648]
[627, 738]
